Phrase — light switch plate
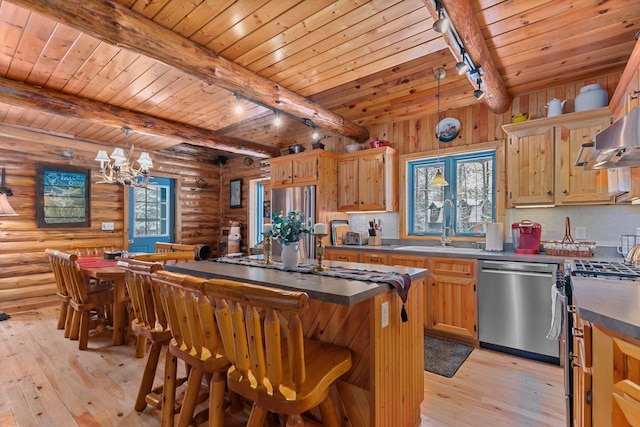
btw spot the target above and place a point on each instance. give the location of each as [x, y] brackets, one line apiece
[107, 226]
[384, 315]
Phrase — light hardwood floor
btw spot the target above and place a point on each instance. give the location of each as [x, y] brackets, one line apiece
[46, 381]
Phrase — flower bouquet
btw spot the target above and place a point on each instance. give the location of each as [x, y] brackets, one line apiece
[288, 228]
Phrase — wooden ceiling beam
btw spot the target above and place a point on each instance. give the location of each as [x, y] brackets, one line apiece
[114, 23]
[461, 14]
[32, 97]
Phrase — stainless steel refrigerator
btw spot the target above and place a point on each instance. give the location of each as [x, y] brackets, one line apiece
[302, 199]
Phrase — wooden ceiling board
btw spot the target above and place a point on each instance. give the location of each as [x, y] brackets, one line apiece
[370, 61]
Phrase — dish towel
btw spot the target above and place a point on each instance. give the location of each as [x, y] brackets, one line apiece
[556, 314]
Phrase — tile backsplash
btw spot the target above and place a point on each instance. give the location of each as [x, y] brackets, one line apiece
[603, 224]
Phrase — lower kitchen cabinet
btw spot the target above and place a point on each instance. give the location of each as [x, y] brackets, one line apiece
[340, 255]
[582, 363]
[452, 308]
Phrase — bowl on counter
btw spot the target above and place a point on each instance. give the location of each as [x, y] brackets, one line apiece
[352, 148]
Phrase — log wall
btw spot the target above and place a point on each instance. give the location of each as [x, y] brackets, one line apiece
[24, 270]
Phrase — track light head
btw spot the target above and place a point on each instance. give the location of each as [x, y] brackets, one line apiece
[442, 23]
[461, 66]
[479, 93]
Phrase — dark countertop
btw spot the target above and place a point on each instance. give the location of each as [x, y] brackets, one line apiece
[484, 255]
[323, 288]
[612, 304]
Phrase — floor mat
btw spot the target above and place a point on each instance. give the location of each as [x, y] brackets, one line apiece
[444, 357]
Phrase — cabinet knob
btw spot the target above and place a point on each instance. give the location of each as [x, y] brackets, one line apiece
[565, 192]
[578, 332]
[433, 284]
[634, 94]
[549, 193]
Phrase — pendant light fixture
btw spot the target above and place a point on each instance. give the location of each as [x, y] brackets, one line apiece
[438, 180]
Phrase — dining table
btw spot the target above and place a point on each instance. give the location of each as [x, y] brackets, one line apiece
[106, 270]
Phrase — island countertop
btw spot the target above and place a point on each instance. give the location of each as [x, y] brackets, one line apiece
[324, 288]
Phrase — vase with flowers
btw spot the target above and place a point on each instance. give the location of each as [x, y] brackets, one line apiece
[287, 230]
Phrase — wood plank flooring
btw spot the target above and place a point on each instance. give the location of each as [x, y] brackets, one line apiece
[46, 381]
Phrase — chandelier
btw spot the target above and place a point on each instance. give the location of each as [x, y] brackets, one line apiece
[120, 169]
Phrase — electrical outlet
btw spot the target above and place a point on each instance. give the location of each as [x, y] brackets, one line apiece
[107, 226]
[581, 232]
[384, 315]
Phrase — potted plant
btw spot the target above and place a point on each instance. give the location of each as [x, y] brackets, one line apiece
[287, 230]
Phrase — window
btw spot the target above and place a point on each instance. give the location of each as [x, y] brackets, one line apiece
[471, 188]
[152, 216]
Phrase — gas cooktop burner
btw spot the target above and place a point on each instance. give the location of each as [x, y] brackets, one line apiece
[605, 269]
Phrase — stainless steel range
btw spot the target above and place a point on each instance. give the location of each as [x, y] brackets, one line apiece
[604, 270]
[610, 270]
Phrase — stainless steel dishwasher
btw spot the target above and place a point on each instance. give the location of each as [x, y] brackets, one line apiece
[514, 308]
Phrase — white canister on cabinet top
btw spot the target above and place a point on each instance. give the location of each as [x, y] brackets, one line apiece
[591, 96]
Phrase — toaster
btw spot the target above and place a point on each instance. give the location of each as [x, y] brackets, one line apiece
[355, 238]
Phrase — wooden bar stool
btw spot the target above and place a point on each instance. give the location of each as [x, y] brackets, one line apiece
[149, 322]
[273, 365]
[163, 247]
[195, 341]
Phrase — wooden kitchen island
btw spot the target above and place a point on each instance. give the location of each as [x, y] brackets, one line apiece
[385, 384]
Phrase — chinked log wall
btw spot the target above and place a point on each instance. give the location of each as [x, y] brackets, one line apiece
[24, 271]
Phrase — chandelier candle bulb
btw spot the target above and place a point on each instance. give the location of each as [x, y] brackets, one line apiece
[320, 228]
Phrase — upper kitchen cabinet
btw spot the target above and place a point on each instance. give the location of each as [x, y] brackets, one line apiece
[541, 160]
[301, 169]
[368, 180]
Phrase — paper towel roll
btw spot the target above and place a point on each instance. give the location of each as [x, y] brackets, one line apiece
[494, 240]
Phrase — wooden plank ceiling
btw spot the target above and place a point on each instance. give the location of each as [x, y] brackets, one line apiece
[366, 62]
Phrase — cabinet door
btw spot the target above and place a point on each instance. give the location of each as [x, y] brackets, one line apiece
[451, 297]
[530, 166]
[626, 380]
[305, 170]
[340, 255]
[574, 184]
[374, 258]
[348, 184]
[371, 182]
[281, 173]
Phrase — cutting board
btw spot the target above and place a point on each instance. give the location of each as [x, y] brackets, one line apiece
[340, 229]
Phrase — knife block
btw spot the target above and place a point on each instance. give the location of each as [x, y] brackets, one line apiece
[376, 239]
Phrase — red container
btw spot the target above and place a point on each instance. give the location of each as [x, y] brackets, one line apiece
[378, 144]
[526, 237]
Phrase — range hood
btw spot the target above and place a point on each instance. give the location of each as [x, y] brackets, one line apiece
[617, 146]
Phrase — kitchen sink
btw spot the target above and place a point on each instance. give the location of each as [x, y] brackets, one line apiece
[439, 249]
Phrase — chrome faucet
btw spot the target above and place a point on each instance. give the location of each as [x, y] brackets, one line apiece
[443, 238]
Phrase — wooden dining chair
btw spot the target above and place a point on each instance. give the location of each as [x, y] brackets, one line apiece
[149, 324]
[195, 341]
[163, 247]
[61, 291]
[166, 257]
[83, 299]
[273, 365]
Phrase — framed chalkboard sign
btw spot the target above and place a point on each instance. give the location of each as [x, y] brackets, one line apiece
[63, 196]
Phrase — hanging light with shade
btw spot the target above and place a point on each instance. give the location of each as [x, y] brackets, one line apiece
[5, 206]
[120, 169]
[438, 180]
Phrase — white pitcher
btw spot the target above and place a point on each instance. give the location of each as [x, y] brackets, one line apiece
[554, 107]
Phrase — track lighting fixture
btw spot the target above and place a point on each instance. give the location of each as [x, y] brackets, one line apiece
[315, 135]
[462, 67]
[238, 107]
[442, 23]
[277, 121]
[478, 93]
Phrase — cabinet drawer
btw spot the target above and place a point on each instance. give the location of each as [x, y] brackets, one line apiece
[417, 261]
[373, 258]
[346, 256]
[453, 266]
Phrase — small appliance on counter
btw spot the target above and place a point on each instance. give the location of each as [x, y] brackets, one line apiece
[494, 240]
[526, 237]
[357, 238]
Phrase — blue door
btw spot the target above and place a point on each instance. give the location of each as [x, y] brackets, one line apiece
[151, 213]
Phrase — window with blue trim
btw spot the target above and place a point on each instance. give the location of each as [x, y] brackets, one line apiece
[471, 188]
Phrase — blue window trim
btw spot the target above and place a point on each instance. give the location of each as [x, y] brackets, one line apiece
[449, 172]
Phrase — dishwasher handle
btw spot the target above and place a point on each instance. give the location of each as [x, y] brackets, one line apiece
[516, 267]
[518, 272]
